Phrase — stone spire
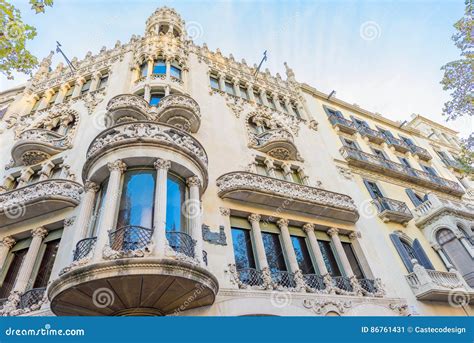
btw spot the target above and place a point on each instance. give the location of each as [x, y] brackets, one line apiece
[290, 74]
[165, 20]
[45, 66]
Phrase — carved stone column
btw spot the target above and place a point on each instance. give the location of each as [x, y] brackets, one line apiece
[159, 217]
[262, 262]
[303, 176]
[78, 87]
[263, 97]
[111, 203]
[25, 177]
[443, 256]
[236, 88]
[46, 170]
[276, 101]
[149, 69]
[250, 93]
[95, 81]
[221, 77]
[61, 93]
[290, 253]
[288, 172]
[86, 211]
[5, 245]
[147, 93]
[194, 213]
[289, 107]
[185, 76]
[168, 68]
[270, 167]
[334, 234]
[26, 268]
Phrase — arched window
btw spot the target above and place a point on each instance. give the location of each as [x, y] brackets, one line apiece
[159, 67]
[409, 251]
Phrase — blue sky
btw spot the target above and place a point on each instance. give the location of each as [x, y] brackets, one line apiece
[396, 73]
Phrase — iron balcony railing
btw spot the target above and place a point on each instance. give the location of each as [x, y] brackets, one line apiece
[387, 204]
[336, 120]
[283, 279]
[421, 152]
[371, 133]
[342, 283]
[129, 238]
[84, 247]
[397, 143]
[368, 285]
[181, 242]
[314, 281]
[31, 297]
[250, 276]
[381, 164]
[453, 164]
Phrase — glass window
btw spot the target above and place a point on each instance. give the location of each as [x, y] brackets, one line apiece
[136, 204]
[47, 263]
[271, 104]
[175, 72]
[53, 98]
[302, 255]
[329, 258]
[257, 97]
[404, 161]
[273, 251]
[279, 173]
[86, 86]
[12, 273]
[68, 94]
[98, 208]
[155, 98]
[429, 170]
[144, 69]
[261, 168]
[175, 199]
[242, 248]
[356, 268]
[103, 81]
[214, 82]
[243, 93]
[379, 154]
[159, 67]
[229, 88]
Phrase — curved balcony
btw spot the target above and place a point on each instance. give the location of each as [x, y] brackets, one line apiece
[277, 143]
[391, 210]
[38, 199]
[126, 107]
[180, 111]
[145, 134]
[36, 145]
[268, 191]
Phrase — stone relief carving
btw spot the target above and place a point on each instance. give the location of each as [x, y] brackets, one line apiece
[217, 238]
[324, 306]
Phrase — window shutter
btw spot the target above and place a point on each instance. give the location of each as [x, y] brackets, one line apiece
[421, 255]
[414, 199]
[369, 188]
[401, 251]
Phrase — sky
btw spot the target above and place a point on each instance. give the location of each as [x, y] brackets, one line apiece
[384, 56]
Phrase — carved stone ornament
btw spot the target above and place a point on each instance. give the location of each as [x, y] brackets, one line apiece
[322, 307]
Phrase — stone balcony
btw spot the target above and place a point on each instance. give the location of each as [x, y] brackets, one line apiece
[131, 278]
[398, 144]
[367, 161]
[278, 143]
[342, 124]
[177, 110]
[432, 285]
[268, 191]
[372, 135]
[37, 199]
[453, 164]
[422, 153]
[391, 210]
[36, 145]
[435, 207]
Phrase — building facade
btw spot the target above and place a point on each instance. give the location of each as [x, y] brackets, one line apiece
[161, 178]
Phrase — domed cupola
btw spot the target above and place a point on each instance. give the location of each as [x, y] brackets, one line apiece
[165, 20]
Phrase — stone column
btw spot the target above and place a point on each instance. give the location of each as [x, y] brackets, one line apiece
[250, 93]
[254, 220]
[465, 243]
[26, 268]
[95, 81]
[5, 245]
[237, 88]
[185, 77]
[276, 101]
[334, 234]
[159, 216]
[303, 176]
[149, 70]
[147, 93]
[290, 253]
[263, 97]
[168, 68]
[270, 167]
[288, 172]
[315, 249]
[111, 203]
[78, 87]
[443, 256]
[25, 177]
[46, 170]
[194, 214]
[289, 107]
[62, 93]
[221, 77]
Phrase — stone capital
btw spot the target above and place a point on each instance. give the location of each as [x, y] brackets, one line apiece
[283, 223]
[91, 186]
[117, 165]
[308, 227]
[333, 231]
[39, 232]
[355, 235]
[162, 164]
[193, 181]
[8, 242]
[224, 211]
[254, 218]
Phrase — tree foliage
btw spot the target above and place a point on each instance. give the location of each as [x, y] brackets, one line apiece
[14, 34]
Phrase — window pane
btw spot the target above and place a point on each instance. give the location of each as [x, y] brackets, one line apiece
[12, 273]
[47, 263]
[159, 67]
[302, 255]
[275, 258]
[229, 88]
[279, 173]
[86, 86]
[144, 69]
[136, 205]
[155, 99]
[98, 208]
[175, 199]
[270, 102]
[257, 97]
[329, 258]
[175, 72]
[353, 260]
[242, 248]
[214, 82]
[103, 81]
[243, 93]
[261, 169]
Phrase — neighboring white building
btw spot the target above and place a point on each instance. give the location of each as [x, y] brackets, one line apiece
[162, 178]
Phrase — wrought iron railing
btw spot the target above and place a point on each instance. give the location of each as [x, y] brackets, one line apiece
[397, 143]
[2, 302]
[84, 247]
[314, 281]
[336, 120]
[453, 163]
[387, 204]
[367, 131]
[31, 297]
[421, 152]
[283, 279]
[181, 242]
[250, 276]
[342, 283]
[368, 285]
[204, 257]
[129, 238]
